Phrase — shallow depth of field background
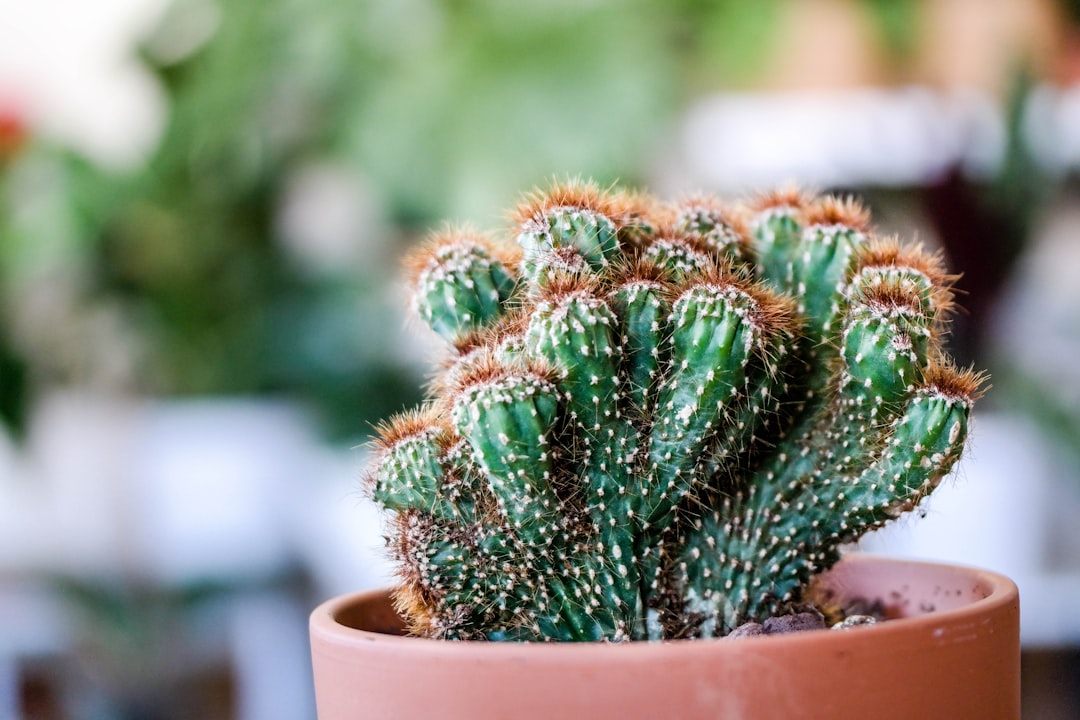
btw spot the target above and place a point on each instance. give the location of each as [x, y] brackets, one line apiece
[202, 208]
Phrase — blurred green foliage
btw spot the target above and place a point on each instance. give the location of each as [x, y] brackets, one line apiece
[435, 108]
[477, 100]
[440, 108]
[897, 24]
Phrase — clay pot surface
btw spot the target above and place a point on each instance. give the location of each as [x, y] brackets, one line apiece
[953, 652]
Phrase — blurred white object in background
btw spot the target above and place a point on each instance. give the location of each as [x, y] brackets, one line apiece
[1052, 127]
[211, 483]
[166, 492]
[70, 67]
[339, 533]
[16, 497]
[74, 488]
[331, 222]
[860, 137]
[1037, 325]
[271, 657]
[902, 136]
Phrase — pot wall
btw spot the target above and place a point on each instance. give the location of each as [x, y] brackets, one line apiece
[954, 654]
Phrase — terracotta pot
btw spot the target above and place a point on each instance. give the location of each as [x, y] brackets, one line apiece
[953, 653]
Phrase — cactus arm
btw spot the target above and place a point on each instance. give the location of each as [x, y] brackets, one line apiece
[710, 350]
[927, 441]
[591, 233]
[410, 474]
[679, 258]
[644, 308]
[883, 348]
[507, 421]
[768, 547]
[721, 335]
[776, 231]
[578, 334]
[416, 468]
[706, 224]
[440, 574]
[808, 251]
[466, 582]
[819, 273]
[458, 286]
[924, 444]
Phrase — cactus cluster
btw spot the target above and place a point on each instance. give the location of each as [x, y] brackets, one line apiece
[661, 420]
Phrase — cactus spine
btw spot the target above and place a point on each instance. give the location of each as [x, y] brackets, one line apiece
[662, 421]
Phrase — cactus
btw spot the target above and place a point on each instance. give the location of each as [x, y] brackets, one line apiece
[661, 421]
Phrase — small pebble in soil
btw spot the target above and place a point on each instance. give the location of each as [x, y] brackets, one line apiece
[799, 622]
[852, 621]
[749, 629]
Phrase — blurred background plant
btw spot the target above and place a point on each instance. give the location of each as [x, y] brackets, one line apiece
[244, 253]
[202, 204]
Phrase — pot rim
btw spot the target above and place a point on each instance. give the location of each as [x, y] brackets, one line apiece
[963, 660]
[999, 594]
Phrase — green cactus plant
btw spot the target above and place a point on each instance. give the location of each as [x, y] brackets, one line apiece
[661, 421]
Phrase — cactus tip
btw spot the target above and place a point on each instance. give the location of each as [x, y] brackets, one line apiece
[845, 211]
[573, 193]
[789, 197]
[965, 385]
